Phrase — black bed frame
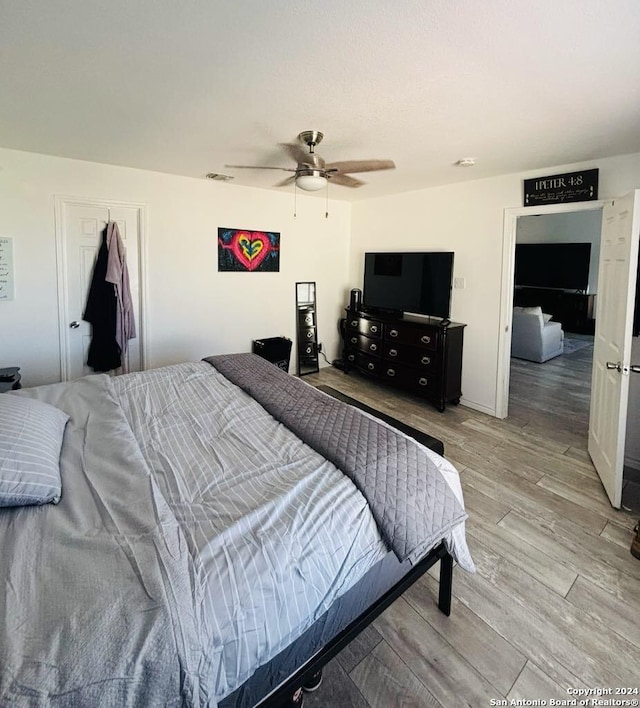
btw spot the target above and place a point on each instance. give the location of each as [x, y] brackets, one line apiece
[351, 631]
[284, 692]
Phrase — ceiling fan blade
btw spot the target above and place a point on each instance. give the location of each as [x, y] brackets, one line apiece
[286, 181]
[344, 180]
[259, 167]
[361, 165]
[297, 153]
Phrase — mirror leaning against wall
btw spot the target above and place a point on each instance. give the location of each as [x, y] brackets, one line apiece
[306, 326]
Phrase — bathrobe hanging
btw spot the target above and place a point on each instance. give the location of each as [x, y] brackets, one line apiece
[118, 274]
[100, 311]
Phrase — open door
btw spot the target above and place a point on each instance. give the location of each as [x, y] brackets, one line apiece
[612, 343]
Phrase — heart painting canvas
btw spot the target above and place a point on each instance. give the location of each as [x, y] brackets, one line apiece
[252, 251]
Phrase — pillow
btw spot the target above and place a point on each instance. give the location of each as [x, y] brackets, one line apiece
[536, 310]
[546, 317]
[30, 440]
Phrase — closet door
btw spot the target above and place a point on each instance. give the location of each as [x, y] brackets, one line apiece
[79, 227]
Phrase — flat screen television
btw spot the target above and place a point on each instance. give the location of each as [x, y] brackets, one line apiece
[409, 282]
[562, 266]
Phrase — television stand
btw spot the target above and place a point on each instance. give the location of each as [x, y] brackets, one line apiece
[420, 355]
[574, 310]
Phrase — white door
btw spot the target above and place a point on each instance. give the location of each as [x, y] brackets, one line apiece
[612, 343]
[79, 231]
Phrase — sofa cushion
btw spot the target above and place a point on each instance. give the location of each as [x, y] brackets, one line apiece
[536, 310]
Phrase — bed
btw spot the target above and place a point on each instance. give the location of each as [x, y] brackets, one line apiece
[217, 530]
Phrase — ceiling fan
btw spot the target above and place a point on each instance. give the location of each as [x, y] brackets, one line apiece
[312, 172]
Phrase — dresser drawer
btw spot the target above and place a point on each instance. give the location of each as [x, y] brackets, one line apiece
[412, 356]
[369, 364]
[364, 344]
[410, 334]
[306, 316]
[306, 334]
[413, 378]
[307, 349]
[370, 328]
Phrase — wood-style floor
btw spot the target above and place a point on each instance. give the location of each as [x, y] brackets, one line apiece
[555, 602]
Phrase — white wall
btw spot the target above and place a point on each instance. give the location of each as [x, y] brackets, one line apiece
[468, 218]
[572, 227]
[192, 310]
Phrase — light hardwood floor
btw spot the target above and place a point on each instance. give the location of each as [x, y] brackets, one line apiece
[555, 602]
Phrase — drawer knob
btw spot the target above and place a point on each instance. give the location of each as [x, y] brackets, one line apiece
[354, 323]
[426, 360]
[422, 381]
[373, 347]
[391, 372]
[351, 357]
[374, 328]
[310, 334]
[371, 366]
[393, 352]
[425, 339]
[354, 340]
[393, 333]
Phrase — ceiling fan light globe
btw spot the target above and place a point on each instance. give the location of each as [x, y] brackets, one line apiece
[311, 182]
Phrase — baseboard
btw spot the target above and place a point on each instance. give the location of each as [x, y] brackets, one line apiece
[478, 407]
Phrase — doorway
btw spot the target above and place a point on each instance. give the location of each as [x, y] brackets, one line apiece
[79, 226]
[507, 297]
[556, 274]
[508, 277]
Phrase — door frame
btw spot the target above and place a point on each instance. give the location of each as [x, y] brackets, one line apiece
[60, 202]
[509, 229]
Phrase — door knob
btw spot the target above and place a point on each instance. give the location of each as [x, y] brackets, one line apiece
[75, 324]
[617, 366]
[635, 368]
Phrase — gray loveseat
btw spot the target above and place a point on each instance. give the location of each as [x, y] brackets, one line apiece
[534, 337]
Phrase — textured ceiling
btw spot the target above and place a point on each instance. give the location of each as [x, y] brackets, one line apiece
[187, 86]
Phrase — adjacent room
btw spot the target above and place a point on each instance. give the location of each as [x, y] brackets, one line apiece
[319, 366]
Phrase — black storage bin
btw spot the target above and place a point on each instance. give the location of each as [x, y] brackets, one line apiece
[277, 350]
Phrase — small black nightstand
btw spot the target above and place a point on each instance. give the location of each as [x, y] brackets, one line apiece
[10, 379]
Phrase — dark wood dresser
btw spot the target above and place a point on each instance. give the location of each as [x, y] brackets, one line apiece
[418, 354]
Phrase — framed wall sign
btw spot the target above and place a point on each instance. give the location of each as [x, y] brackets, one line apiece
[6, 269]
[560, 189]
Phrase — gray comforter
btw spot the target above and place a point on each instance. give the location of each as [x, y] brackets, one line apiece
[409, 497]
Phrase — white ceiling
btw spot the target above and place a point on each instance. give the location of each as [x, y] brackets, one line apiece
[188, 86]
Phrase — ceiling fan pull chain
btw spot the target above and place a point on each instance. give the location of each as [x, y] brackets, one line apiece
[326, 213]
